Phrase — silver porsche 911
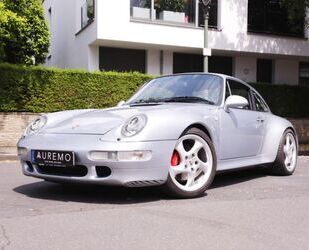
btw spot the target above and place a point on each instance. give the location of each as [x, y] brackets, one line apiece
[177, 131]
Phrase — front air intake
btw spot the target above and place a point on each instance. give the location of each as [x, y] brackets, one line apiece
[76, 171]
[103, 171]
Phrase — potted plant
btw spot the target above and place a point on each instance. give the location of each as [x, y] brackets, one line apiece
[141, 9]
[172, 10]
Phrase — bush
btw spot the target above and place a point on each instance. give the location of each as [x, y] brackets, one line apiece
[39, 89]
[172, 5]
[285, 100]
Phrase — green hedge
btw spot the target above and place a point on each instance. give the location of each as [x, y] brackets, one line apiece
[39, 89]
[285, 100]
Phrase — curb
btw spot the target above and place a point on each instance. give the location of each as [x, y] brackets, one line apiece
[8, 157]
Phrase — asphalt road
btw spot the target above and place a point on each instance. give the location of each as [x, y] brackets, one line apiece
[242, 210]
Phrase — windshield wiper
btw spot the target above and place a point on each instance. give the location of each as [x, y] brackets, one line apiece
[156, 101]
[194, 99]
[149, 101]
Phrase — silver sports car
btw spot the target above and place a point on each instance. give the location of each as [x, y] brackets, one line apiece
[177, 131]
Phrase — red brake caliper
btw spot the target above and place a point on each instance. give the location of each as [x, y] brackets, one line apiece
[175, 160]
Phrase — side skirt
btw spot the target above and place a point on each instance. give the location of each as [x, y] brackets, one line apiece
[238, 163]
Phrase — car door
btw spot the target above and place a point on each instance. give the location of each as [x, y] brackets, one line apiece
[241, 129]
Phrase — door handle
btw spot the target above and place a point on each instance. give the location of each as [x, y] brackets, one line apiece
[260, 119]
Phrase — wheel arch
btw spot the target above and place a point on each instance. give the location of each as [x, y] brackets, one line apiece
[275, 128]
[295, 133]
[201, 127]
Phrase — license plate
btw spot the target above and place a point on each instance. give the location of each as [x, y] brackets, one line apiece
[53, 158]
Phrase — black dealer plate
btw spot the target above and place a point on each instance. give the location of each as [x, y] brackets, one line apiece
[53, 158]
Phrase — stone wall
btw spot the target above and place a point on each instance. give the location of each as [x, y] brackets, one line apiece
[302, 128]
[12, 126]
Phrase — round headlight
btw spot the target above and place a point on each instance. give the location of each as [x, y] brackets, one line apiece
[36, 125]
[134, 125]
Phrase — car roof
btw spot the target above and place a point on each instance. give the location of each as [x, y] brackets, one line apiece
[203, 73]
[196, 73]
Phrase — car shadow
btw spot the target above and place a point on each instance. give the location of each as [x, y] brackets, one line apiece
[228, 178]
[90, 193]
[121, 195]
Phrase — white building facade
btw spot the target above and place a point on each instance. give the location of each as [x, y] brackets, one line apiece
[250, 39]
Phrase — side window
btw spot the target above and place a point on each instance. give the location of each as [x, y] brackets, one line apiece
[240, 89]
[259, 104]
[227, 91]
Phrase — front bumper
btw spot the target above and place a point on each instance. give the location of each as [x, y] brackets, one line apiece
[138, 173]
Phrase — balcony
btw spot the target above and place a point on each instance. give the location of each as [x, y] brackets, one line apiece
[151, 31]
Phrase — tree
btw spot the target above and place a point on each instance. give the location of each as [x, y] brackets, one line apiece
[24, 34]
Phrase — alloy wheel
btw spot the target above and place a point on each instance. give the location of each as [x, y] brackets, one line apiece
[290, 152]
[191, 163]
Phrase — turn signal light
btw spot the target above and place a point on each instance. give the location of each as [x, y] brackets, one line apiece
[21, 151]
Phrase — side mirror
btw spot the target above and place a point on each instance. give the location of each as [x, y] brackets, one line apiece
[119, 104]
[235, 101]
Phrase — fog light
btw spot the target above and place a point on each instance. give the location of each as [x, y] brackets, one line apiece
[22, 151]
[138, 155]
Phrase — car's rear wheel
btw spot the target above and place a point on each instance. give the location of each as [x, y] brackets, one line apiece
[193, 165]
[286, 160]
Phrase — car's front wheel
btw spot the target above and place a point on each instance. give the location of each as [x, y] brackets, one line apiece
[193, 165]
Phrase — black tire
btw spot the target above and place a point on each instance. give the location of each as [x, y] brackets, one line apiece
[278, 167]
[172, 190]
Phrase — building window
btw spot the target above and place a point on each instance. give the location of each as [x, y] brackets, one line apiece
[185, 12]
[183, 62]
[264, 70]
[122, 60]
[175, 11]
[141, 9]
[194, 63]
[221, 65]
[304, 73]
[271, 17]
[87, 13]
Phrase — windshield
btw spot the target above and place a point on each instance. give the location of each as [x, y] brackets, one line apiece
[197, 88]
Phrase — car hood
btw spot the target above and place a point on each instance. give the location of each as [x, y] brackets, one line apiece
[102, 121]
